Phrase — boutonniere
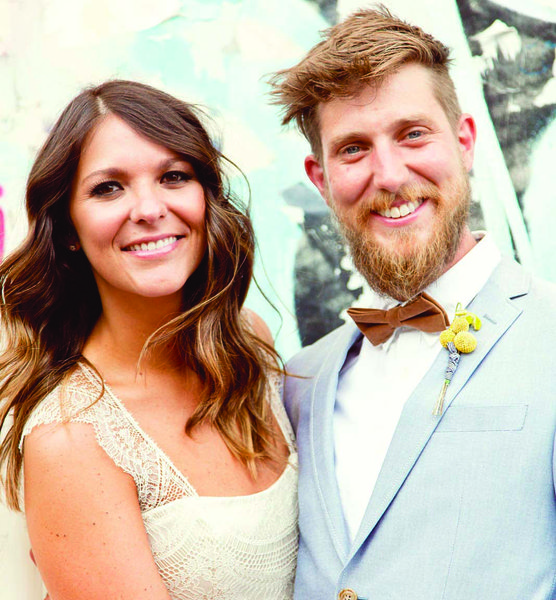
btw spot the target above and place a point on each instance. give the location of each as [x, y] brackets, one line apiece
[456, 339]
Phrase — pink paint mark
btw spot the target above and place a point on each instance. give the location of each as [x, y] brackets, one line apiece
[1, 234]
[2, 231]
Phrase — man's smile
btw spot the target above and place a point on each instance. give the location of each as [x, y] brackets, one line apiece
[396, 212]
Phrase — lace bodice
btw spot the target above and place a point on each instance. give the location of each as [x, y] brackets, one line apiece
[217, 548]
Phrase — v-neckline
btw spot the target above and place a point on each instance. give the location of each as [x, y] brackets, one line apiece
[191, 491]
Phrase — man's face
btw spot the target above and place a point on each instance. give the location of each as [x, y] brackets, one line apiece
[394, 171]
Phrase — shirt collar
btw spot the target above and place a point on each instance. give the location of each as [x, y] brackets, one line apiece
[464, 280]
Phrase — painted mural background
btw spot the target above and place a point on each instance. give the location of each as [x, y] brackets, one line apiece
[216, 53]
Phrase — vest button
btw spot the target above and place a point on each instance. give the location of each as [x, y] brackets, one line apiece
[347, 594]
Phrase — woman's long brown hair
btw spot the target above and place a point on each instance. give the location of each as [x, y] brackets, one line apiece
[50, 303]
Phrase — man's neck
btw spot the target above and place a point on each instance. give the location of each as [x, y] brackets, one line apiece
[467, 243]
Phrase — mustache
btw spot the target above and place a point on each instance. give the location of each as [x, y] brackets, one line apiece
[382, 199]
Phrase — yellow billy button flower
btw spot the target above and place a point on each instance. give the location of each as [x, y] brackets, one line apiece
[459, 324]
[446, 337]
[457, 338]
[465, 342]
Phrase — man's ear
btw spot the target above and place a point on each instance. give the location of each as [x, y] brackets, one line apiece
[316, 174]
[467, 134]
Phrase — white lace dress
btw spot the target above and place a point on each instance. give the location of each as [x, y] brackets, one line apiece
[206, 548]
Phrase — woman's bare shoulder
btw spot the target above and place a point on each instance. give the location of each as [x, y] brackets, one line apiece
[84, 518]
[258, 325]
[73, 399]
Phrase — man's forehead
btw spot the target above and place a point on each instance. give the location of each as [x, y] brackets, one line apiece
[410, 75]
[407, 95]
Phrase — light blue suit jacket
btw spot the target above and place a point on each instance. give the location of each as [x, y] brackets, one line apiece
[464, 507]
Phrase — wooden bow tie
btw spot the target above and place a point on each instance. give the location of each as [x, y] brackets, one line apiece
[423, 312]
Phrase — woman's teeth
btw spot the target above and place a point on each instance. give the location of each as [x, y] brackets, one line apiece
[401, 211]
[146, 246]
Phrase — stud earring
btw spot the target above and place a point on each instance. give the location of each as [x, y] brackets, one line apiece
[74, 247]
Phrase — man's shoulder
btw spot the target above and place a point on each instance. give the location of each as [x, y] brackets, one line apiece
[322, 358]
[311, 357]
[538, 308]
[531, 297]
[543, 290]
[520, 283]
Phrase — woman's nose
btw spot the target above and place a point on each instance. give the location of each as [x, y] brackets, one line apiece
[148, 206]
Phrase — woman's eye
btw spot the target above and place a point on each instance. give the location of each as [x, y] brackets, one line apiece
[175, 177]
[106, 188]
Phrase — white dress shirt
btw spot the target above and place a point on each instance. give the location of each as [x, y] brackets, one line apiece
[376, 381]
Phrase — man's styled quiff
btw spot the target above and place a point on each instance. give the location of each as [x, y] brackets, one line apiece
[366, 48]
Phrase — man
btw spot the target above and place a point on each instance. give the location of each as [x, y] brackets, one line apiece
[410, 487]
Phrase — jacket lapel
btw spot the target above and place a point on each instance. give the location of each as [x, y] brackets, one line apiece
[417, 423]
[322, 437]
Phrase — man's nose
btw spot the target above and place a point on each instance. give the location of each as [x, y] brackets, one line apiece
[389, 169]
[148, 206]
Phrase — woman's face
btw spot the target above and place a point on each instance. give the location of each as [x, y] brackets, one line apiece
[139, 212]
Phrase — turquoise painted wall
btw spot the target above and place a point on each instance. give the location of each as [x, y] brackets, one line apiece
[217, 52]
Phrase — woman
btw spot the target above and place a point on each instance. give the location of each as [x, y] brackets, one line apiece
[157, 460]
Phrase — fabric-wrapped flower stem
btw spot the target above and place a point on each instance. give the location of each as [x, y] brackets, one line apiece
[453, 361]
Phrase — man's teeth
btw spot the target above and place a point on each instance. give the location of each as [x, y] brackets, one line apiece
[401, 211]
[146, 246]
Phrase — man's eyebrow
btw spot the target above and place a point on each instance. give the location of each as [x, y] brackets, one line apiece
[397, 124]
[417, 119]
[345, 137]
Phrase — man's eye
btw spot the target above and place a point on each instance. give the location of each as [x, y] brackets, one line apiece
[352, 149]
[106, 188]
[414, 135]
[175, 177]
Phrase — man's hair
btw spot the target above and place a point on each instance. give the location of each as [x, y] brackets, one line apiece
[367, 47]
